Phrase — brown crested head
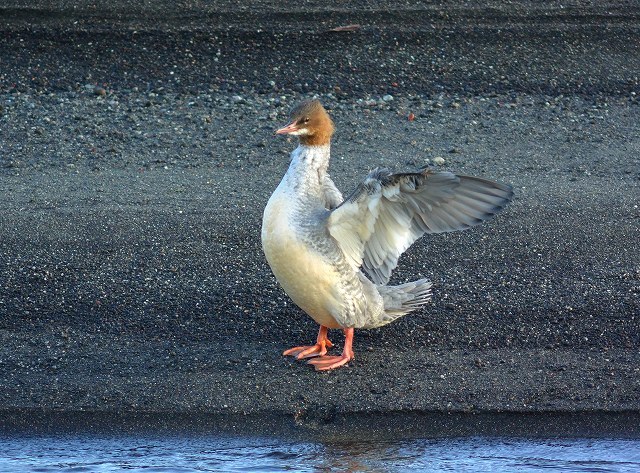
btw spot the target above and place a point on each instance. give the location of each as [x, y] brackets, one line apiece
[310, 122]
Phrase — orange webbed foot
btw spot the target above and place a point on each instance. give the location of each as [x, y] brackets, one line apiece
[324, 363]
[302, 352]
[319, 349]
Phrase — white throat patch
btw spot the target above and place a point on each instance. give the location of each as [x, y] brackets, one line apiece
[300, 132]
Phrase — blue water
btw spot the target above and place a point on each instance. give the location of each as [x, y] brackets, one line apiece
[215, 454]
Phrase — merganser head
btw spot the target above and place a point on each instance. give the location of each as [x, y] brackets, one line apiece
[310, 122]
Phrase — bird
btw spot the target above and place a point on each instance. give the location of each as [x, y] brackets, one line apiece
[334, 256]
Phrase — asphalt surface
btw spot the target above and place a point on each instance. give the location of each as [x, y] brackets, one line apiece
[137, 154]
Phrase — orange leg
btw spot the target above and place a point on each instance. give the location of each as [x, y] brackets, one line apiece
[330, 362]
[319, 349]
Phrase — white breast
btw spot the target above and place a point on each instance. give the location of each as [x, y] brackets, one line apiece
[308, 279]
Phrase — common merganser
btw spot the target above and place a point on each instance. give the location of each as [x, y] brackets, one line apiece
[334, 257]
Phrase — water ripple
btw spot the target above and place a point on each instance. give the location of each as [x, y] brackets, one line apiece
[66, 453]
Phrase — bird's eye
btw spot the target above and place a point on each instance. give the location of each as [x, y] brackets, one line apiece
[306, 120]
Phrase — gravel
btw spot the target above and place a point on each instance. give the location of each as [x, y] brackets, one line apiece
[137, 156]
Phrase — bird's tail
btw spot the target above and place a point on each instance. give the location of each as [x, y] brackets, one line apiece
[402, 299]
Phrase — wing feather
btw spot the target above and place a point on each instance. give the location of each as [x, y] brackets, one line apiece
[332, 196]
[387, 213]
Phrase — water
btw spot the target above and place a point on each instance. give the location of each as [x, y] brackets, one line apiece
[82, 453]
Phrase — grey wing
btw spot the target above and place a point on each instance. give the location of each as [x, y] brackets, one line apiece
[332, 196]
[388, 212]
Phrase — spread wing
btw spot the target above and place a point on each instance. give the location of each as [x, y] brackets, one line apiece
[388, 212]
[332, 196]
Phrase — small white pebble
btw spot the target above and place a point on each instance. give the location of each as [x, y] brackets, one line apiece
[439, 160]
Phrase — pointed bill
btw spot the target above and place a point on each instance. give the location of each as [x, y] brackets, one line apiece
[290, 128]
